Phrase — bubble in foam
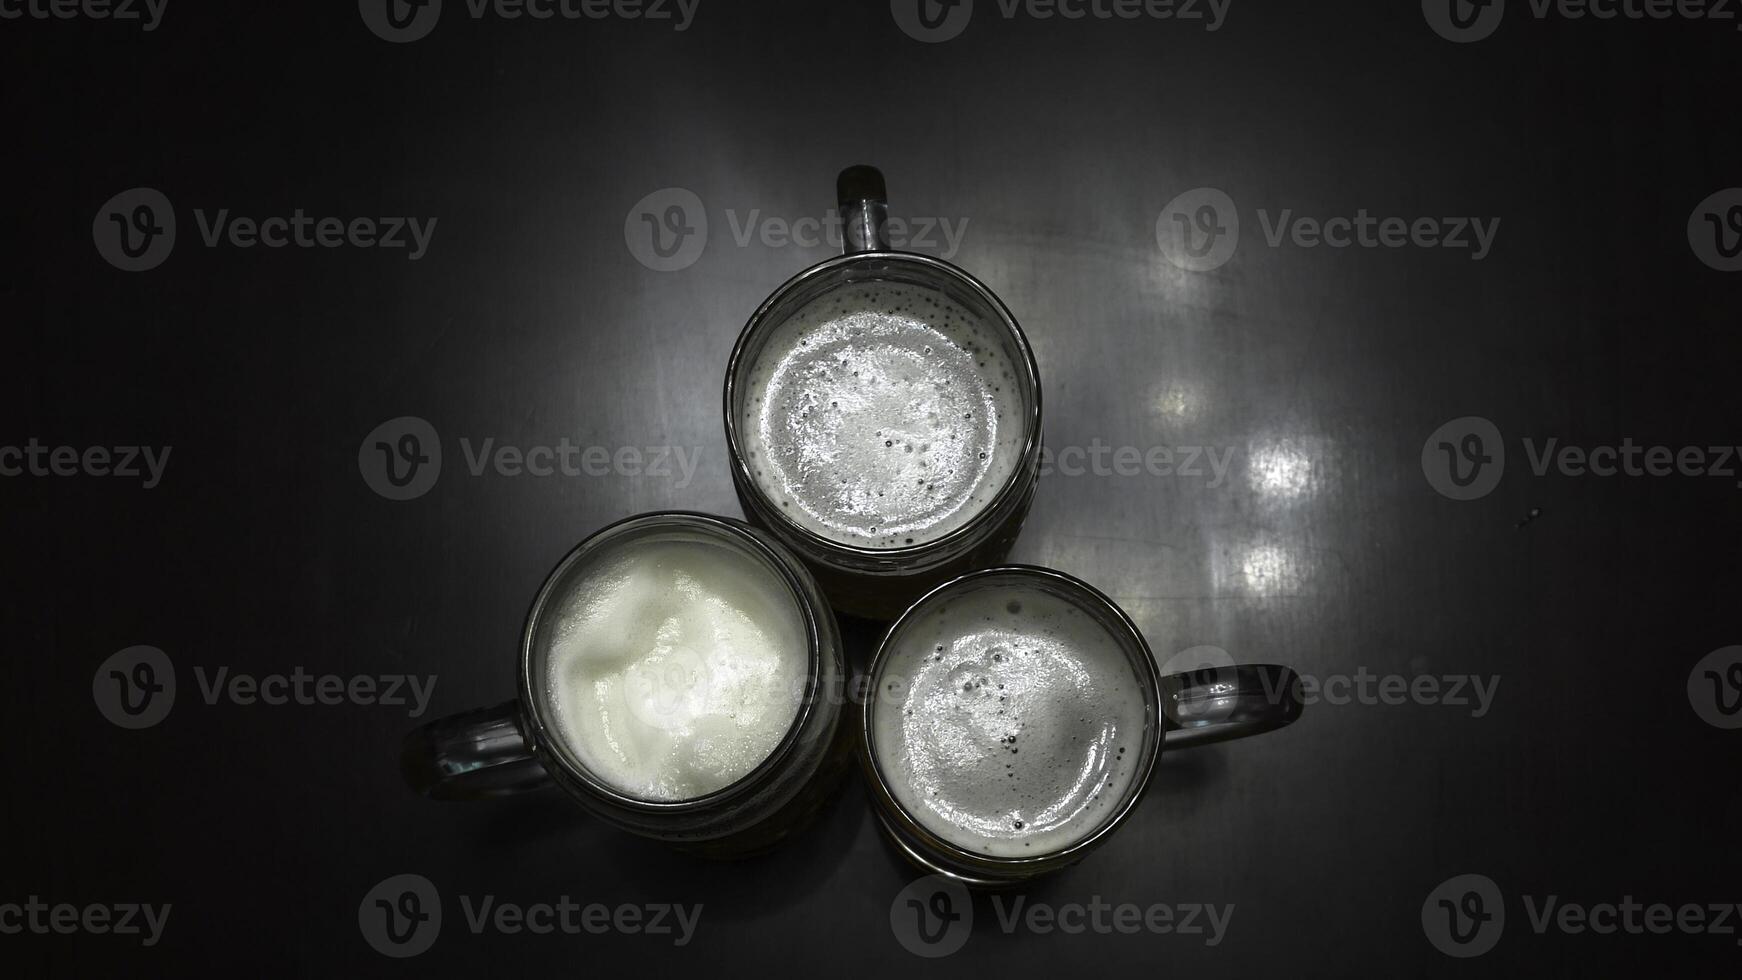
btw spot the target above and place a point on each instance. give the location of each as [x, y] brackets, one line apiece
[877, 420]
[1011, 737]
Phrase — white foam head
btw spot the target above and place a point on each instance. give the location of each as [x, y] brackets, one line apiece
[676, 665]
[882, 415]
[1008, 721]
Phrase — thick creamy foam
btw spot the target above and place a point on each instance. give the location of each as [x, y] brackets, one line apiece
[882, 415]
[676, 666]
[1022, 725]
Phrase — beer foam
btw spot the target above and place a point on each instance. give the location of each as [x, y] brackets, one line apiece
[1008, 722]
[676, 666]
[882, 415]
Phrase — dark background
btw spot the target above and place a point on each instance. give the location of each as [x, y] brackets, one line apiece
[529, 320]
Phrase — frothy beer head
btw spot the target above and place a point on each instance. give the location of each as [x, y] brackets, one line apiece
[676, 664]
[1009, 720]
[882, 415]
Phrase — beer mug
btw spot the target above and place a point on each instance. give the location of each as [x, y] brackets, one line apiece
[1014, 716]
[681, 677]
[883, 416]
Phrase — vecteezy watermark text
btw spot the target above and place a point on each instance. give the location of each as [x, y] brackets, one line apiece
[36, 916]
[773, 231]
[1465, 458]
[568, 459]
[1369, 688]
[667, 230]
[1465, 916]
[403, 21]
[1474, 235]
[1473, 691]
[936, 21]
[402, 917]
[1104, 918]
[135, 688]
[565, 915]
[1200, 229]
[136, 230]
[1100, 459]
[121, 462]
[304, 231]
[146, 13]
[933, 917]
[1464, 21]
[401, 459]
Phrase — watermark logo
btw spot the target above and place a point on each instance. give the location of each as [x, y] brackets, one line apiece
[1465, 458]
[135, 688]
[1199, 230]
[147, 13]
[932, 21]
[932, 917]
[403, 21]
[400, 21]
[135, 229]
[401, 458]
[1463, 21]
[1464, 916]
[402, 916]
[1215, 692]
[1221, 689]
[935, 21]
[1715, 688]
[1715, 230]
[667, 230]
[669, 688]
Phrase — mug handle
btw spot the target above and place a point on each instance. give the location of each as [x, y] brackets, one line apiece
[864, 203]
[475, 755]
[1214, 704]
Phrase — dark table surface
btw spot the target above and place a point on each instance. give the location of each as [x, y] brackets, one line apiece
[1598, 313]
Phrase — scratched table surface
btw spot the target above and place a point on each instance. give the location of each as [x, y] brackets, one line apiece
[1355, 341]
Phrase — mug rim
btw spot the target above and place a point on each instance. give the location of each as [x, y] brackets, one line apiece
[554, 752]
[1032, 417]
[1009, 868]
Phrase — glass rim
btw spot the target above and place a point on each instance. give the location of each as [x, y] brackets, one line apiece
[1091, 600]
[544, 737]
[1013, 484]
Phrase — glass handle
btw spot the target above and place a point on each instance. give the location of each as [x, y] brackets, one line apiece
[1214, 704]
[476, 755]
[864, 204]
